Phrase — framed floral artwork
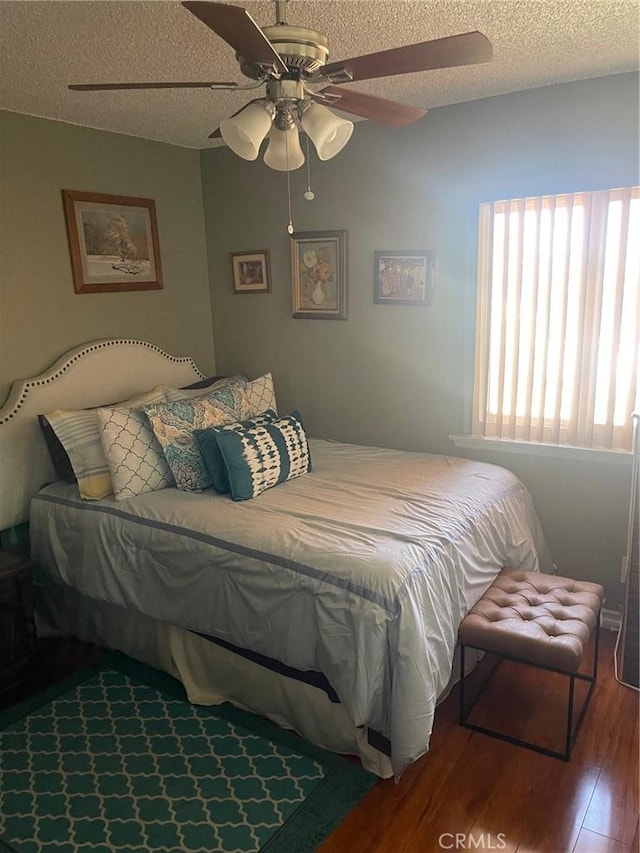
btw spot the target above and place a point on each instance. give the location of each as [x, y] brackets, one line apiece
[319, 275]
[405, 277]
[251, 272]
[113, 240]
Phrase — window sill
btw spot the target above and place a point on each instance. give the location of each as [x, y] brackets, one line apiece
[559, 451]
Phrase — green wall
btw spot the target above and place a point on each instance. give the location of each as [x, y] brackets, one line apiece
[389, 375]
[401, 376]
[41, 316]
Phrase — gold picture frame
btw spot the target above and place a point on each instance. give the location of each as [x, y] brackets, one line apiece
[251, 272]
[319, 275]
[113, 240]
[404, 277]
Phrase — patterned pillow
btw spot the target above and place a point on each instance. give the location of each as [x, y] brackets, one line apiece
[260, 395]
[208, 444]
[198, 389]
[79, 434]
[173, 424]
[260, 457]
[208, 382]
[134, 455]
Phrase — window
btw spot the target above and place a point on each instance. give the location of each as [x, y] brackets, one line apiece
[558, 319]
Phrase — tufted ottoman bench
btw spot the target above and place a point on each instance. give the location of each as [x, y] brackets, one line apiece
[541, 620]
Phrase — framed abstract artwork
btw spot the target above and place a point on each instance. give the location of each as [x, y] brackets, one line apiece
[113, 241]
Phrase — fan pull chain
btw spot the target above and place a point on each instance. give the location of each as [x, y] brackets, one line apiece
[286, 149]
[309, 195]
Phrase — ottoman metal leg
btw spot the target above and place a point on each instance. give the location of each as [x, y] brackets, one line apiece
[571, 731]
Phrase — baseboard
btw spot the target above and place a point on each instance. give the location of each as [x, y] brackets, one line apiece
[610, 619]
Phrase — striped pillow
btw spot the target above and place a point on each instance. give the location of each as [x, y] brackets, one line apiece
[260, 457]
[79, 433]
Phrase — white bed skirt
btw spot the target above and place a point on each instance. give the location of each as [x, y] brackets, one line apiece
[209, 673]
[212, 675]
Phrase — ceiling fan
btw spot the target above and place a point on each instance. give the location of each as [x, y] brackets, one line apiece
[291, 63]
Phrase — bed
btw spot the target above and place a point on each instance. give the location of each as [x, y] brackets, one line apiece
[329, 603]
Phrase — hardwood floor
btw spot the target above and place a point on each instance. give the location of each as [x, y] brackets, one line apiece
[497, 796]
[494, 795]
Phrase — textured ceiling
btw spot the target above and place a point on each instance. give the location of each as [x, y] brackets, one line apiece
[44, 46]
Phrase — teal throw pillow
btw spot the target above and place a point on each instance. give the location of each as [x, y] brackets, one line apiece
[260, 457]
[208, 443]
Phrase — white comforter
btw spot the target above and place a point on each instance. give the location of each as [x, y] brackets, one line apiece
[361, 570]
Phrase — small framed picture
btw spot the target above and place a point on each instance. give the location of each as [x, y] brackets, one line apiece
[251, 272]
[404, 277]
[319, 275]
[113, 240]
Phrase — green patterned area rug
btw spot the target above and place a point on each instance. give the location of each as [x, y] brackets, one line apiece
[120, 761]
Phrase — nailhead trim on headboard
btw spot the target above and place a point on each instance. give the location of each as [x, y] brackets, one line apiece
[84, 351]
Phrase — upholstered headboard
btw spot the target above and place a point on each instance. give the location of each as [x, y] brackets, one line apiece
[90, 375]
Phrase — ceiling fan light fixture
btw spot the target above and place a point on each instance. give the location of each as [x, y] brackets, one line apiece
[245, 131]
[284, 153]
[328, 132]
[289, 61]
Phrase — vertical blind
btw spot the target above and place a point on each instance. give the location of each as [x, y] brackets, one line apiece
[558, 319]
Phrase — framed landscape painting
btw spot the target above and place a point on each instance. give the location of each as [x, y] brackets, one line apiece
[318, 275]
[113, 242]
[404, 277]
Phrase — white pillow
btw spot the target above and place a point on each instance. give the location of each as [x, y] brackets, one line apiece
[260, 396]
[78, 432]
[134, 455]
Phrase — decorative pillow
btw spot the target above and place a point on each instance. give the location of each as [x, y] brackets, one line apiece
[260, 457]
[79, 434]
[207, 382]
[59, 456]
[201, 389]
[260, 395]
[173, 424]
[134, 455]
[208, 444]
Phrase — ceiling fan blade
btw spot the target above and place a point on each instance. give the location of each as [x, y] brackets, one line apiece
[370, 106]
[99, 87]
[236, 26]
[465, 49]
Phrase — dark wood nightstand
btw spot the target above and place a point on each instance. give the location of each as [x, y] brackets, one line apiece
[17, 628]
